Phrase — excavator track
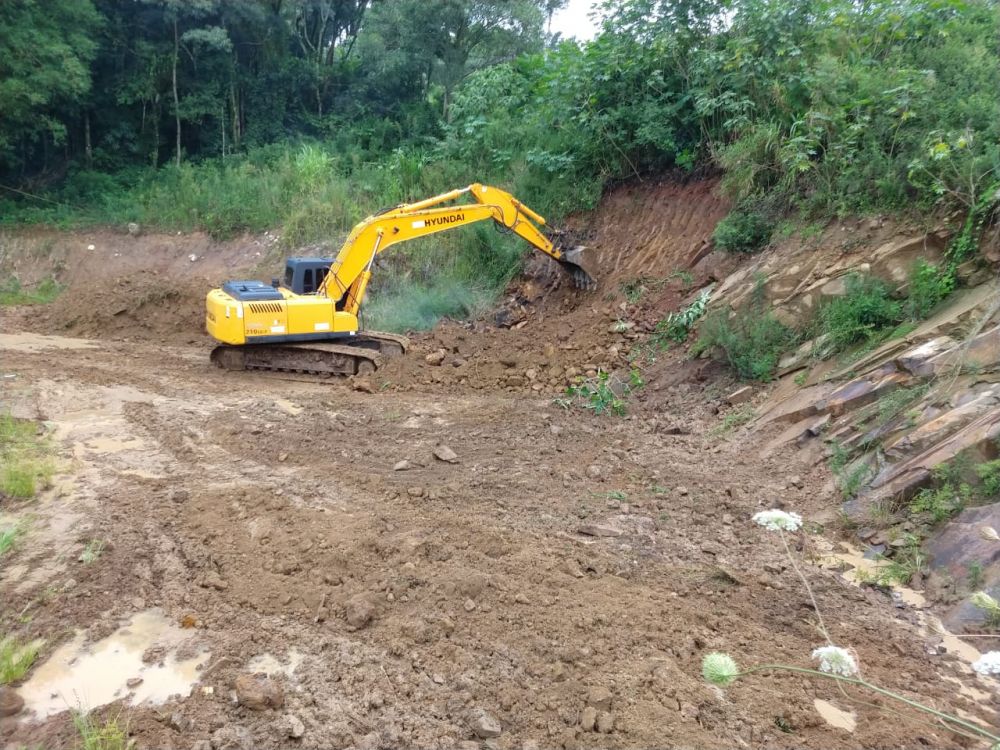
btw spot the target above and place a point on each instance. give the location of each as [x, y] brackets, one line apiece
[363, 355]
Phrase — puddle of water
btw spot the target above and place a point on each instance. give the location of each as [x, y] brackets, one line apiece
[33, 342]
[869, 568]
[88, 676]
[106, 445]
[835, 717]
[271, 666]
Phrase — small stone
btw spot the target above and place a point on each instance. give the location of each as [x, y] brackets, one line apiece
[192, 257]
[593, 529]
[593, 471]
[605, 722]
[283, 456]
[588, 719]
[599, 697]
[179, 496]
[483, 725]
[232, 737]
[133, 682]
[91, 247]
[403, 465]
[555, 429]
[359, 612]
[258, 692]
[682, 491]
[295, 726]
[469, 605]
[415, 491]
[134, 229]
[436, 358]
[180, 722]
[795, 481]
[740, 396]
[10, 702]
[444, 453]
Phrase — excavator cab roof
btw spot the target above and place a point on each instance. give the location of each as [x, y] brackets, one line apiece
[303, 275]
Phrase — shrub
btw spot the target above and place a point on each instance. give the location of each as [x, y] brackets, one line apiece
[929, 286]
[752, 341]
[863, 312]
[743, 232]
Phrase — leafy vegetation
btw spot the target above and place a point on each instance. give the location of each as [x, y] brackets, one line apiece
[751, 341]
[16, 658]
[864, 311]
[743, 232]
[12, 293]
[9, 537]
[108, 734]
[603, 394]
[24, 454]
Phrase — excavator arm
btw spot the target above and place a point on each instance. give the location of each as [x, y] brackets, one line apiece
[351, 269]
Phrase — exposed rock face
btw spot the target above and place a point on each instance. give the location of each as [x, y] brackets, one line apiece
[923, 400]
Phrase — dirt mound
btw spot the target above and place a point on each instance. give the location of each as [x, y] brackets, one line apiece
[148, 304]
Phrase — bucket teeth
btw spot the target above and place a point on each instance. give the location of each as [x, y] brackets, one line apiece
[573, 263]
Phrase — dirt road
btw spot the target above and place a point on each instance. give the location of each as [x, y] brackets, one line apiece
[554, 583]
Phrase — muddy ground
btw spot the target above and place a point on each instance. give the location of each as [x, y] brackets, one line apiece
[555, 584]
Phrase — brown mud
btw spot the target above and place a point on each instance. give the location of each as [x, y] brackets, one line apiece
[556, 584]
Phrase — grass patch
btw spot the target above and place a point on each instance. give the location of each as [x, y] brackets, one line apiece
[752, 341]
[603, 394]
[13, 293]
[9, 537]
[737, 417]
[108, 734]
[407, 305]
[16, 658]
[92, 552]
[27, 466]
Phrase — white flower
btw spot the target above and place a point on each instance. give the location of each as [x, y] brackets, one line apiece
[719, 669]
[778, 520]
[836, 660]
[988, 663]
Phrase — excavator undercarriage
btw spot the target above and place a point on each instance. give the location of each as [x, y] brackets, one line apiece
[361, 354]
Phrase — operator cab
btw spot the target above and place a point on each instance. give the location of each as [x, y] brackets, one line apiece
[304, 275]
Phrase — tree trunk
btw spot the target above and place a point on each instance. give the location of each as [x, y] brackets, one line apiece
[177, 101]
[222, 126]
[87, 148]
[236, 117]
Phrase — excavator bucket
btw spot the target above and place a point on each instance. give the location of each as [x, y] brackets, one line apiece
[574, 263]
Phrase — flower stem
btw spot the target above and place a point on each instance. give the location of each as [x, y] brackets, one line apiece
[805, 582]
[888, 693]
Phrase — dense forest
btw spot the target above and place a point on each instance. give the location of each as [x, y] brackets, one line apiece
[240, 115]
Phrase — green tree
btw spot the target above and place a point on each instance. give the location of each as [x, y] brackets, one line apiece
[45, 52]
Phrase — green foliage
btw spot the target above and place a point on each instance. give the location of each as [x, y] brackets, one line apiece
[896, 402]
[743, 232]
[942, 502]
[736, 417]
[9, 537]
[864, 312]
[12, 293]
[677, 326]
[16, 658]
[928, 287]
[407, 305]
[989, 475]
[24, 456]
[604, 393]
[752, 340]
[95, 734]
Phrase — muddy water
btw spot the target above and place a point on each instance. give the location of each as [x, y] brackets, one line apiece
[86, 676]
[34, 342]
[271, 665]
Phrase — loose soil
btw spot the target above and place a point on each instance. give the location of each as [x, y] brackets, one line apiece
[272, 522]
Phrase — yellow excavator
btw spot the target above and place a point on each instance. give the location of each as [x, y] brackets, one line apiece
[308, 321]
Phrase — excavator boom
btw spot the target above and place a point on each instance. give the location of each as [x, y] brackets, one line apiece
[280, 326]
